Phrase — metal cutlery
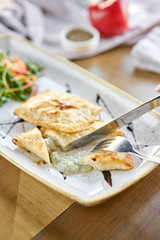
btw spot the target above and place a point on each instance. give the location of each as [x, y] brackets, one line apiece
[125, 119]
[122, 145]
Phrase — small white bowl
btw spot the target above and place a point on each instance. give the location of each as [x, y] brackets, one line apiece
[79, 46]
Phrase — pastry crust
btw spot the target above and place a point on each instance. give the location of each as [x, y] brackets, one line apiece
[106, 161]
[33, 141]
[62, 139]
[101, 160]
[56, 110]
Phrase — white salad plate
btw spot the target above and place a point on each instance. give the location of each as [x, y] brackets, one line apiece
[60, 74]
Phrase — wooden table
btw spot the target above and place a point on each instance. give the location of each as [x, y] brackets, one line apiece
[27, 206]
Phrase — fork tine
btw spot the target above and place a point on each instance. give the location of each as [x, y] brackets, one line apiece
[107, 141]
[111, 139]
[122, 145]
[105, 145]
[101, 146]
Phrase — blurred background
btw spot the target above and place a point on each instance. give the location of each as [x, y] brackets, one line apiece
[81, 29]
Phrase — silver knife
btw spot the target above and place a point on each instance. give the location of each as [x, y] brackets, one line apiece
[121, 121]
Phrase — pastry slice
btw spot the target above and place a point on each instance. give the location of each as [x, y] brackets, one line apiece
[33, 141]
[101, 160]
[107, 161]
[51, 144]
[62, 139]
[56, 110]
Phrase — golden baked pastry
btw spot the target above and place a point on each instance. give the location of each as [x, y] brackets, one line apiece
[104, 160]
[101, 160]
[62, 139]
[33, 141]
[80, 160]
[56, 110]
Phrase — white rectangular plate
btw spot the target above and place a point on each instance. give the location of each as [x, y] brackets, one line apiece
[60, 74]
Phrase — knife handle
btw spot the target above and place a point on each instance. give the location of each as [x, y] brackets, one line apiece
[121, 121]
[138, 111]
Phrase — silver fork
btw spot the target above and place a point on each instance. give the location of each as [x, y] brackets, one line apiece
[122, 145]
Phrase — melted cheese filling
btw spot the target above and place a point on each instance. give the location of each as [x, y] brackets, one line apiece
[68, 162]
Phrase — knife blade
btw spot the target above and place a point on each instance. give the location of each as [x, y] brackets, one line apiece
[121, 121]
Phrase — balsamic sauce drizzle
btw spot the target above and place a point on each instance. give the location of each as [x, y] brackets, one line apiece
[107, 174]
[108, 177]
[131, 129]
[64, 176]
[8, 123]
[11, 127]
[68, 88]
[98, 103]
[143, 146]
[23, 126]
[98, 99]
[130, 125]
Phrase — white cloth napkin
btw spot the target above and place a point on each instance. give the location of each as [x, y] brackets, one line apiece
[41, 21]
[146, 53]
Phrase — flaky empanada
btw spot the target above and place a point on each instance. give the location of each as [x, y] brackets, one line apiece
[51, 147]
[107, 161]
[101, 160]
[62, 139]
[56, 110]
[33, 141]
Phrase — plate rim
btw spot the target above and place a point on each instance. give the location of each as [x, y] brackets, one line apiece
[102, 198]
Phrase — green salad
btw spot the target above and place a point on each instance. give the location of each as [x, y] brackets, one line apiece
[17, 78]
